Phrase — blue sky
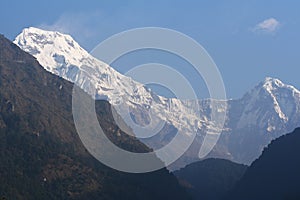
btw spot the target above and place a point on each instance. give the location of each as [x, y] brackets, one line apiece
[248, 40]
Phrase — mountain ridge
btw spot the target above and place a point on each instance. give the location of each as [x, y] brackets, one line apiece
[266, 108]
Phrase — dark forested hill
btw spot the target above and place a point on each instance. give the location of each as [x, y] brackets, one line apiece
[275, 175]
[41, 156]
[210, 179]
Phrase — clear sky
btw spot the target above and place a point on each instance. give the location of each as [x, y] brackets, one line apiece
[248, 40]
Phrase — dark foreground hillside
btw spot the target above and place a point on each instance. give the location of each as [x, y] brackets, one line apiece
[275, 175]
[41, 156]
[210, 179]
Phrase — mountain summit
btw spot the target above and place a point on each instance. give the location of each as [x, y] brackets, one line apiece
[262, 114]
[48, 45]
[60, 54]
[278, 102]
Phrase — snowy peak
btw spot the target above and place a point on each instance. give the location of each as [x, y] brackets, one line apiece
[270, 98]
[285, 97]
[272, 87]
[51, 48]
[37, 37]
[62, 55]
[271, 84]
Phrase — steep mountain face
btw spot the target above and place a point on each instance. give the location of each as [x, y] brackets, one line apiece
[275, 174]
[61, 55]
[210, 179]
[269, 104]
[261, 115]
[41, 154]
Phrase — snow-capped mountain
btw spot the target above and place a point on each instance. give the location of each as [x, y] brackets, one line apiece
[270, 109]
[280, 103]
[262, 114]
[60, 54]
